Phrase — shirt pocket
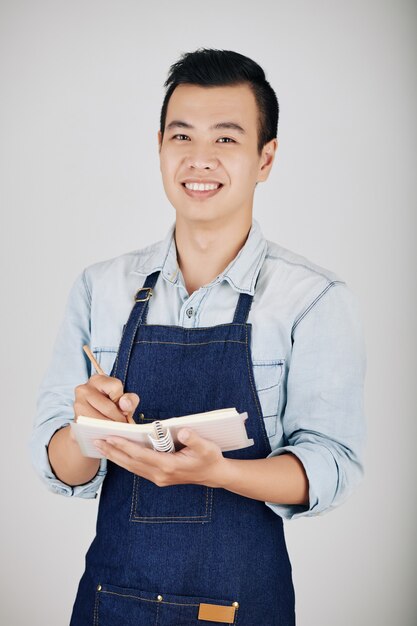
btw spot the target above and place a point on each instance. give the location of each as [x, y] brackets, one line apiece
[268, 376]
[105, 357]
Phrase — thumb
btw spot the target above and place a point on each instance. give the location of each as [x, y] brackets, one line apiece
[128, 403]
[192, 440]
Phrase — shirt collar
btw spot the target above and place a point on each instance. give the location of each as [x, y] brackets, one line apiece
[241, 273]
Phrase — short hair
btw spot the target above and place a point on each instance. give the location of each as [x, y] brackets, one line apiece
[208, 67]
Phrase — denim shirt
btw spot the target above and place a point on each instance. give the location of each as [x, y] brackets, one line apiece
[307, 347]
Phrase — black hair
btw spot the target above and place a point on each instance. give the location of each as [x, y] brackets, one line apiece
[209, 68]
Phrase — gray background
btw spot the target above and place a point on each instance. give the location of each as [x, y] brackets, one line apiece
[81, 86]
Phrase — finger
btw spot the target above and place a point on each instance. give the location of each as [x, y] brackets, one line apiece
[114, 453]
[112, 387]
[90, 399]
[107, 407]
[89, 411]
[129, 402]
[139, 452]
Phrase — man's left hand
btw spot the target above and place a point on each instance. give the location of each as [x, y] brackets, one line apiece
[200, 462]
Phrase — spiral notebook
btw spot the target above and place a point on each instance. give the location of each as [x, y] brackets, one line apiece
[226, 427]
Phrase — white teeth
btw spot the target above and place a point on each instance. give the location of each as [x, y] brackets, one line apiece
[201, 186]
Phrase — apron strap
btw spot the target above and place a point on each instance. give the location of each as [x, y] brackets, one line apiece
[137, 316]
[242, 308]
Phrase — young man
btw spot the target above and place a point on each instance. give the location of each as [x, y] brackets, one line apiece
[234, 321]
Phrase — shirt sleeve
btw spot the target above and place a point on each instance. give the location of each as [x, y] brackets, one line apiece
[324, 423]
[68, 368]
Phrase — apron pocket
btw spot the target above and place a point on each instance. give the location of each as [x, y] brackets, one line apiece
[173, 504]
[123, 606]
[119, 606]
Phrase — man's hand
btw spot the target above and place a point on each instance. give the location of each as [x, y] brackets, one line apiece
[201, 462]
[102, 397]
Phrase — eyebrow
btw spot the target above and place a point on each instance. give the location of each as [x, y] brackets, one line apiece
[218, 126]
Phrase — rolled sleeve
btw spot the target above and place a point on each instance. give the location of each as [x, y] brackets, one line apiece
[324, 423]
[67, 369]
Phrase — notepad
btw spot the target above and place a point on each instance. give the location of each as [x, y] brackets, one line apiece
[226, 427]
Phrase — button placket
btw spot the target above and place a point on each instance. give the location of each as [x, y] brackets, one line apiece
[189, 310]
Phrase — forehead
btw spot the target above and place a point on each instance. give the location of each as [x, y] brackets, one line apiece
[204, 106]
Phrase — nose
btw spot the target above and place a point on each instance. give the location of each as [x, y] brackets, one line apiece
[201, 161]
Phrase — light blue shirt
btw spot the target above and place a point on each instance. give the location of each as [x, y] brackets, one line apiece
[307, 348]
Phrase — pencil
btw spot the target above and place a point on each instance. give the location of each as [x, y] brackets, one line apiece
[93, 360]
[98, 369]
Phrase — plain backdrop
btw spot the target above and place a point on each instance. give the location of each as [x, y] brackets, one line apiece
[81, 90]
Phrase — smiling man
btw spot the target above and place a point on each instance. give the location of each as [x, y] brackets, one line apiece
[222, 318]
[210, 164]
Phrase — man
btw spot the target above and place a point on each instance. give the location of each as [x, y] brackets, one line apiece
[221, 318]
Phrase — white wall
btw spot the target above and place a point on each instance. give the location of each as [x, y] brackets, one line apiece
[81, 87]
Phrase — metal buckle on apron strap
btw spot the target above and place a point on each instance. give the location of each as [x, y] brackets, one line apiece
[148, 295]
[218, 612]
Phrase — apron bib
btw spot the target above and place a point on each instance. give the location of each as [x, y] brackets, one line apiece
[185, 555]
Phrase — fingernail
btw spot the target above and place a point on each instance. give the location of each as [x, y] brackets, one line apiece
[183, 435]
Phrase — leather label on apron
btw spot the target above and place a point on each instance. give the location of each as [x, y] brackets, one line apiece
[217, 613]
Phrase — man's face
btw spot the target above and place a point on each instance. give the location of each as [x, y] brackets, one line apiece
[197, 150]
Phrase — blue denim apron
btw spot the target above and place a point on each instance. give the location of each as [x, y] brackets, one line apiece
[162, 552]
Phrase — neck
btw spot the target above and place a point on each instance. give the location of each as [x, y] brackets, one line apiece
[205, 250]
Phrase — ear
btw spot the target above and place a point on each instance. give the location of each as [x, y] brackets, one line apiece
[159, 140]
[267, 159]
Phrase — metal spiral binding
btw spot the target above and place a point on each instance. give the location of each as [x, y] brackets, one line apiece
[164, 441]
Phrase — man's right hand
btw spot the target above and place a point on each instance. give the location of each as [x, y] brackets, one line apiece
[102, 397]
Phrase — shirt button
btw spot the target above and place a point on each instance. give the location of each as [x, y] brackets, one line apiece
[190, 311]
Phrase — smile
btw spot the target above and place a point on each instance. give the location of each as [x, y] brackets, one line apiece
[202, 186]
[201, 190]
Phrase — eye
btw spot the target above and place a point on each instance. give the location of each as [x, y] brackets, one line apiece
[182, 137]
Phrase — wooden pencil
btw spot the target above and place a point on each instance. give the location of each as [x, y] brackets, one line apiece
[93, 360]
